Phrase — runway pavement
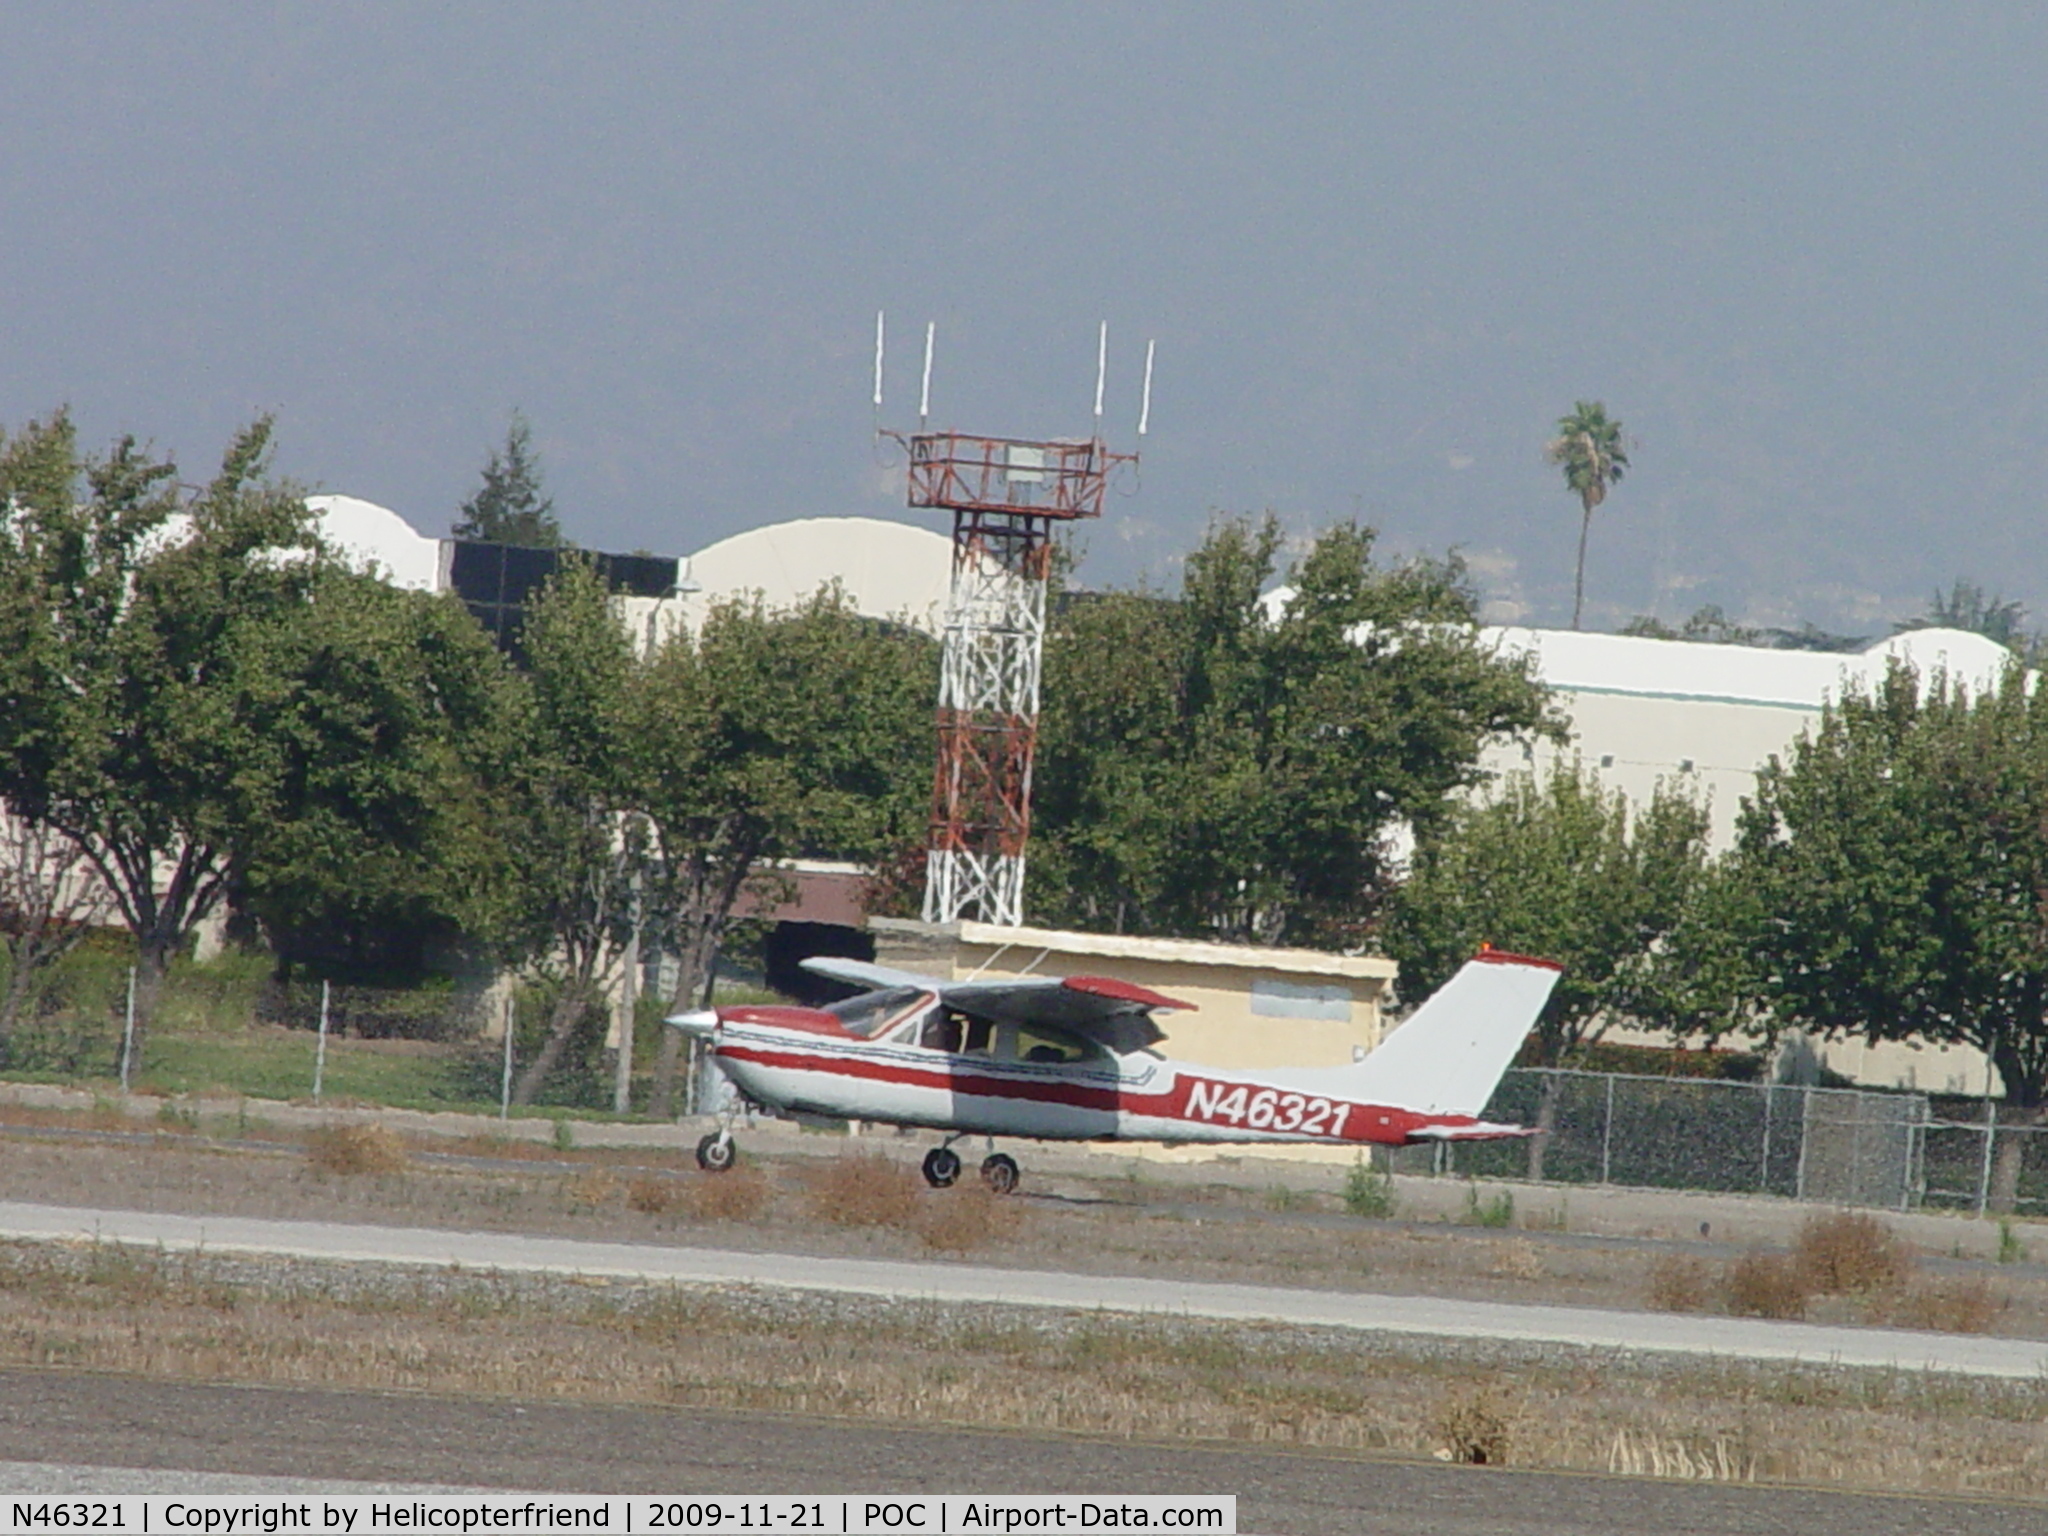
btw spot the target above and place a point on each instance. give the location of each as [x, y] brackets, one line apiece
[81, 1433]
[1687, 1334]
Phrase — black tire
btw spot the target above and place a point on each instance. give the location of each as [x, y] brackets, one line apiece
[941, 1167]
[716, 1153]
[1000, 1173]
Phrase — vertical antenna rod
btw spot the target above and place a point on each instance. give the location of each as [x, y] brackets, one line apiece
[1145, 408]
[924, 399]
[878, 360]
[1101, 366]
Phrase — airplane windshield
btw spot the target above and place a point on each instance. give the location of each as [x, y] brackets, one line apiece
[872, 1012]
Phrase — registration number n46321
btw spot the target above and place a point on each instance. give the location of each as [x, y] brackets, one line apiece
[1262, 1109]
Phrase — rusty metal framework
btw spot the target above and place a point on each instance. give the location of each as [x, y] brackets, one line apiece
[1005, 495]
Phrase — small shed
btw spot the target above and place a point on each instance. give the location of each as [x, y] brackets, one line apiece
[1253, 1006]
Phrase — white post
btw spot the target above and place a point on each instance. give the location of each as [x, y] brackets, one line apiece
[878, 360]
[1145, 406]
[1101, 369]
[128, 1033]
[924, 394]
[505, 1085]
[1990, 1135]
[320, 1050]
[629, 999]
[1607, 1135]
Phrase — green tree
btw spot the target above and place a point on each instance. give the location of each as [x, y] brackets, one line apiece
[1563, 869]
[134, 677]
[1965, 605]
[1560, 867]
[1899, 859]
[767, 735]
[1207, 768]
[397, 729]
[579, 841]
[1588, 448]
[509, 508]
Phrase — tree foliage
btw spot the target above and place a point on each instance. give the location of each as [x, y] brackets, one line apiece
[1563, 869]
[508, 508]
[1589, 449]
[1209, 769]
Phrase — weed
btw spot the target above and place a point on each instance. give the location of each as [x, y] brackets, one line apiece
[1678, 1283]
[1518, 1261]
[1942, 1306]
[1763, 1284]
[1556, 1219]
[862, 1189]
[968, 1218]
[738, 1194]
[1474, 1427]
[173, 1117]
[1368, 1189]
[350, 1149]
[2010, 1249]
[593, 1189]
[1843, 1252]
[652, 1196]
[1499, 1211]
[565, 1136]
[1281, 1198]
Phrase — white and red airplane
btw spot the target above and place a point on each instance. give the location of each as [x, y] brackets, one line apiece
[1070, 1059]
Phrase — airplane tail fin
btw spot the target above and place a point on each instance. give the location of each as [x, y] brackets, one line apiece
[1448, 1056]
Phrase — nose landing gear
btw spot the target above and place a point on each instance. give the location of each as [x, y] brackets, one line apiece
[942, 1169]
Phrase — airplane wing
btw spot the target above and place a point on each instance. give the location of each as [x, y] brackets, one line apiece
[863, 973]
[1116, 1013]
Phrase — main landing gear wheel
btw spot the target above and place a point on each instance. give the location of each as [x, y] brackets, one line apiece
[941, 1167]
[999, 1173]
[717, 1152]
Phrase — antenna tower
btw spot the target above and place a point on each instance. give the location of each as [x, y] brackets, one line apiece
[1006, 495]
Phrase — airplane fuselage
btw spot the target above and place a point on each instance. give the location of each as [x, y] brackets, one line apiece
[793, 1059]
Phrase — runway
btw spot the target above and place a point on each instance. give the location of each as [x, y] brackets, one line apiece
[77, 1433]
[1667, 1333]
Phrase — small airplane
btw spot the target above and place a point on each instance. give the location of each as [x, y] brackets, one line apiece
[1071, 1059]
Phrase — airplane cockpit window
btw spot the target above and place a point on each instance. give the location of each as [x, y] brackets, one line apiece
[948, 1029]
[874, 1012]
[1037, 1042]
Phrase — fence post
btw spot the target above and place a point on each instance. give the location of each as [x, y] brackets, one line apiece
[1990, 1134]
[128, 1032]
[320, 1050]
[1607, 1135]
[1805, 1136]
[1763, 1183]
[505, 1084]
[629, 1002]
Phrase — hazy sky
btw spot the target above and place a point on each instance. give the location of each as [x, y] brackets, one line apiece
[1798, 250]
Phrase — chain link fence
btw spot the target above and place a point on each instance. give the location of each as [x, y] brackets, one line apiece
[1690, 1133]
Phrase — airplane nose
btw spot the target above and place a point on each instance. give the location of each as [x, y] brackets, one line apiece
[699, 1025]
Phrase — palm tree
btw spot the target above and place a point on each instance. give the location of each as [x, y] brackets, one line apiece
[1588, 448]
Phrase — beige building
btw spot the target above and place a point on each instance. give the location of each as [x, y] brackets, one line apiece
[1251, 1007]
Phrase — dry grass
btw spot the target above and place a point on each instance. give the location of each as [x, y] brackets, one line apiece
[1941, 1306]
[1679, 1282]
[1518, 1261]
[863, 1189]
[739, 1194]
[652, 1196]
[1474, 1426]
[366, 1327]
[356, 1149]
[966, 1219]
[1763, 1284]
[594, 1189]
[1843, 1253]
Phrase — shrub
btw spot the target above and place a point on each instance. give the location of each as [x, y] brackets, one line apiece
[352, 1149]
[738, 1194]
[1764, 1285]
[968, 1218]
[2010, 1249]
[1678, 1283]
[1951, 1306]
[1496, 1212]
[1368, 1189]
[1842, 1252]
[652, 1196]
[863, 1189]
[1474, 1428]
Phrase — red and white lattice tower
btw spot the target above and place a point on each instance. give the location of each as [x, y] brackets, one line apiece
[1006, 495]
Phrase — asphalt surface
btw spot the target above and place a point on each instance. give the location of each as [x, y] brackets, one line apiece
[104, 1434]
[1434, 1317]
